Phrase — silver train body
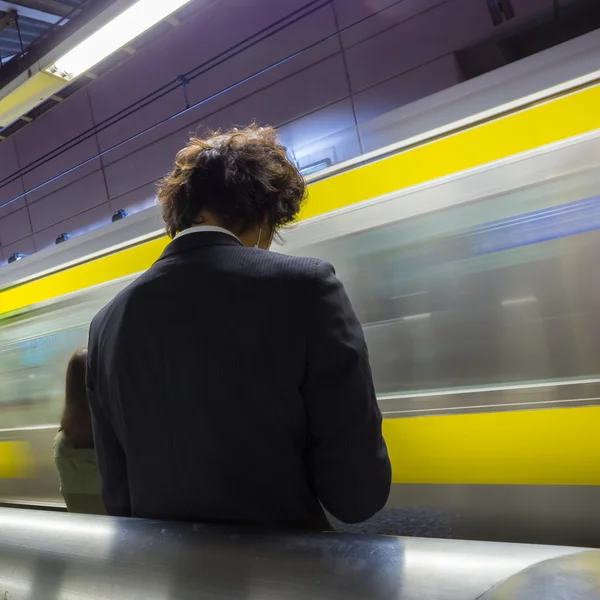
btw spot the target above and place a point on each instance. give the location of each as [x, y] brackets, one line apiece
[451, 326]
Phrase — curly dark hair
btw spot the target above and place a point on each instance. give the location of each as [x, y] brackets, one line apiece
[241, 176]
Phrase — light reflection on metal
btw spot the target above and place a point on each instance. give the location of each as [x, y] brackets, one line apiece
[418, 317]
[494, 405]
[67, 555]
[30, 428]
[491, 388]
[412, 295]
[79, 528]
[519, 301]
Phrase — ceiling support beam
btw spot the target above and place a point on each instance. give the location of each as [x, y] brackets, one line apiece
[5, 20]
[53, 7]
[30, 13]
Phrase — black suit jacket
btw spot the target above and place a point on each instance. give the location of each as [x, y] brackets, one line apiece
[230, 384]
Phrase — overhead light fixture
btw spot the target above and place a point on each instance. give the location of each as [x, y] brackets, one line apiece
[120, 214]
[114, 35]
[63, 237]
[15, 256]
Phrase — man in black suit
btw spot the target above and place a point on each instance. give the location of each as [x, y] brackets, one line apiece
[229, 384]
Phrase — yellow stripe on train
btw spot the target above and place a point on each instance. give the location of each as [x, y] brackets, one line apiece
[532, 447]
[15, 460]
[549, 122]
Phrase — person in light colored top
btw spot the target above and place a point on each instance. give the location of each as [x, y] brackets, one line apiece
[74, 454]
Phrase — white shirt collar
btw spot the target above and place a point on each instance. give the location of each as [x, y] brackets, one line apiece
[206, 228]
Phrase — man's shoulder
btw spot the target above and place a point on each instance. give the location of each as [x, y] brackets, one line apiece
[284, 263]
[117, 303]
[286, 268]
[251, 263]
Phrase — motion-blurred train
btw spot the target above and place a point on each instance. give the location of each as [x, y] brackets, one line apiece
[472, 258]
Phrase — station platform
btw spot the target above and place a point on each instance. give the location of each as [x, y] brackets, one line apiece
[49, 555]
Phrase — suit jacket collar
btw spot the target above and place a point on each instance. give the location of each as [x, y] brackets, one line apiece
[196, 240]
[205, 229]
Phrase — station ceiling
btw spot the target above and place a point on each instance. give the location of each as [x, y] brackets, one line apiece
[29, 29]
[26, 22]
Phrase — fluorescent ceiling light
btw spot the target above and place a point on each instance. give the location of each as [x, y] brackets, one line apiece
[114, 35]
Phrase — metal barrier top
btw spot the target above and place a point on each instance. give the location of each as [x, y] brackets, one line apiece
[48, 556]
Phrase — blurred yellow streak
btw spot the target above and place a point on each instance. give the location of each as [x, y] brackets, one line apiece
[15, 460]
[527, 447]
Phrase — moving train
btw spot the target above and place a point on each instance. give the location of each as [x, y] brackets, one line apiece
[471, 259]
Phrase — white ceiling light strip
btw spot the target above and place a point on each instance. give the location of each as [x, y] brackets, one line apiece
[114, 35]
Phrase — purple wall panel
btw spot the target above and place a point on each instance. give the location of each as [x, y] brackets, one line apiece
[314, 132]
[52, 176]
[8, 166]
[8, 158]
[384, 14]
[135, 200]
[251, 61]
[76, 198]
[7, 194]
[351, 11]
[536, 8]
[14, 227]
[403, 53]
[53, 129]
[289, 99]
[277, 47]
[381, 48]
[137, 122]
[313, 88]
[407, 87]
[144, 166]
[94, 217]
[401, 48]
[212, 31]
[156, 65]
